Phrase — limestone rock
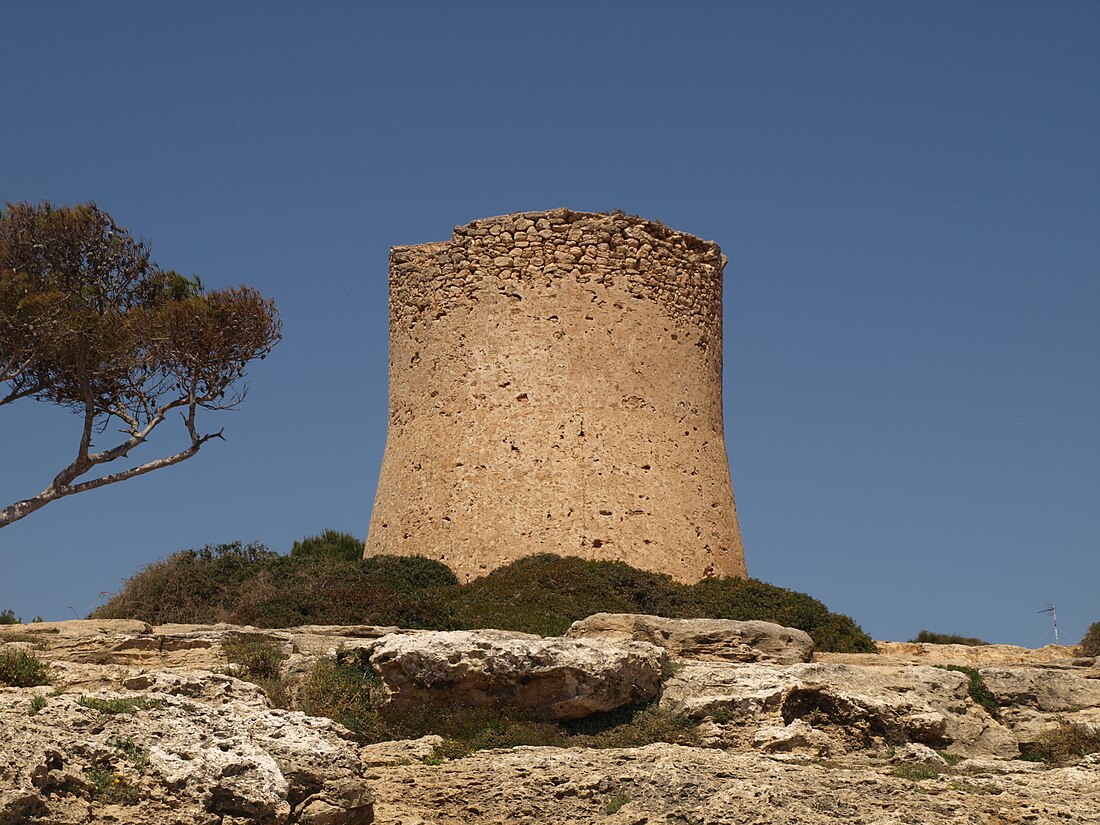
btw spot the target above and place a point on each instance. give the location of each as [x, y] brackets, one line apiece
[556, 678]
[713, 639]
[665, 784]
[797, 736]
[918, 754]
[975, 655]
[860, 707]
[401, 752]
[1046, 688]
[171, 761]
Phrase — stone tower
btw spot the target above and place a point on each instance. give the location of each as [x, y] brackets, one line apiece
[556, 386]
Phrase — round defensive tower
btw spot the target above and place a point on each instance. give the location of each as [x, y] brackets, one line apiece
[556, 386]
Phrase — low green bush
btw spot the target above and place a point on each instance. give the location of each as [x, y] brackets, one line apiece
[976, 686]
[1090, 645]
[18, 668]
[929, 637]
[9, 617]
[320, 582]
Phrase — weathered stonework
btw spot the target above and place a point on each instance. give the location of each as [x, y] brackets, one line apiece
[556, 386]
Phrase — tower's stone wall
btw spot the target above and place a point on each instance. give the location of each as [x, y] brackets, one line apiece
[556, 386]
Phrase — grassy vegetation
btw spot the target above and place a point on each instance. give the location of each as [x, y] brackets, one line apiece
[9, 617]
[258, 659]
[348, 690]
[1067, 743]
[976, 686]
[916, 773]
[946, 639]
[322, 581]
[1090, 645]
[18, 668]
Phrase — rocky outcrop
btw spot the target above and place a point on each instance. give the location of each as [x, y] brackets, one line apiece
[552, 678]
[157, 757]
[713, 639]
[870, 707]
[669, 784]
[150, 726]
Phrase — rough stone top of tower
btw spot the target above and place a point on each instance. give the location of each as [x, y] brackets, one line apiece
[507, 254]
[636, 225]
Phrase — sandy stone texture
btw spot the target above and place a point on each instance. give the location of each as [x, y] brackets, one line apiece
[556, 386]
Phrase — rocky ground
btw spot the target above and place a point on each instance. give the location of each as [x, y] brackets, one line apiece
[148, 725]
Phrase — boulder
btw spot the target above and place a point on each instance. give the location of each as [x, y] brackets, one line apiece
[707, 639]
[553, 678]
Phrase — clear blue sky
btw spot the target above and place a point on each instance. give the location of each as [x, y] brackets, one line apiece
[909, 195]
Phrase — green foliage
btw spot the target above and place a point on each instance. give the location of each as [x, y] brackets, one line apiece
[18, 668]
[111, 787]
[90, 323]
[616, 803]
[258, 659]
[1068, 742]
[1090, 645]
[191, 586]
[37, 704]
[9, 617]
[916, 773]
[320, 583]
[976, 686]
[250, 584]
[929, 637]
[110, 707]
[545, 593]
[257, 655]
[330, 544]
[138, 756]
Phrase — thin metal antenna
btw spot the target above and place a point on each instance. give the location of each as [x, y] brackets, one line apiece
[1053, 611]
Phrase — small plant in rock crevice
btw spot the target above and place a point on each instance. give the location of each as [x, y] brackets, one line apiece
[1066, 743]
[258, 659]
[18, 668]
[976, 686]
[110, 786]
[916, 773]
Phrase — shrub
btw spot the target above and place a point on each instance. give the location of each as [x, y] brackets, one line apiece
[545, 593]
[258, 659]
[255, 654]
[1067, 743]
[916, 773]
[190, 587]
[976, 686]
[21, 669]
[929, 637]
[331, 544]
[319, 583]
[9, 617]
[1090, 645]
